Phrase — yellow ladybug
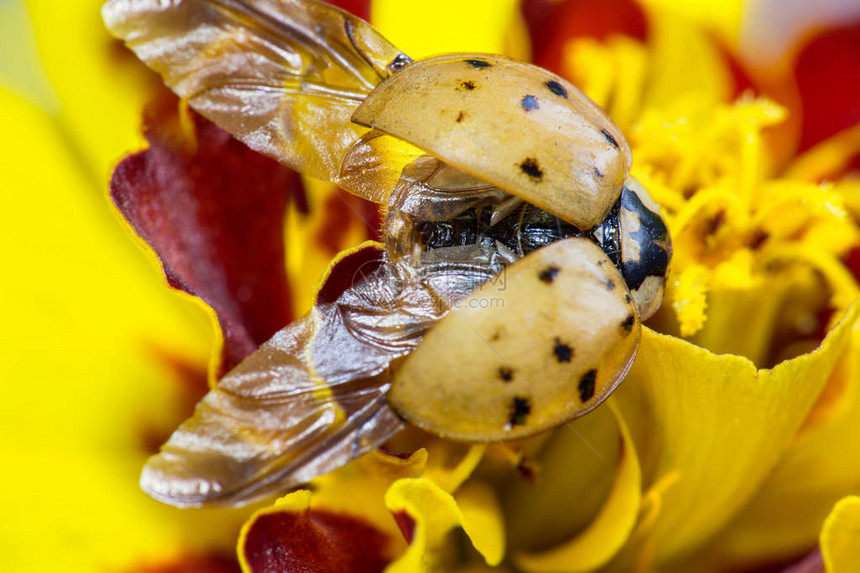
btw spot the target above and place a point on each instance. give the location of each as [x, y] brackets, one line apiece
[519, 256]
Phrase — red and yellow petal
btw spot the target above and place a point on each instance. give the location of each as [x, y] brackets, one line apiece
[343, 525]
[213, 211]
[293, 536]
[427, 515]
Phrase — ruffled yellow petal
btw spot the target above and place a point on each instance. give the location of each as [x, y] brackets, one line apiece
[581, 459]
[718, 424]
[784, 518]
[359, 488]
[296, 534]
[450, 464]
[483, 520]
[840, 537]
[597, 544]
[435, 513]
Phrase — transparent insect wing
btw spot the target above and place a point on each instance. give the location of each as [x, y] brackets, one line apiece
[269, 425]
[545, 342]
[306, 402]
[510, 123]
[270, 72]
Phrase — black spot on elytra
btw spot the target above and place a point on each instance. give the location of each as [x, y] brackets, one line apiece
[506, 373]
[460, 116]
[556, 88]
[478, 64]
[627, 323]
[530, 167]
[562, 351]
[610, 284]
[468, 85]
[520, 410]
[627, 299]
[548, 274]
[586, 385]
[529, 102]
[612, 141]
[598, 173]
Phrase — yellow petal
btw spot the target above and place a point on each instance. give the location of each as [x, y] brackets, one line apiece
[840, 537]
[610, 528]
[685, 62]
[85, 317]
[20, 69]
[744, 321]
[612, 72]
[820, 466]
[359, 488]
[451, 464]
[719, 424]
[723, 16]
[101, 86]
[581, 456]
[435, 513]
[483, 520]
[423, 28]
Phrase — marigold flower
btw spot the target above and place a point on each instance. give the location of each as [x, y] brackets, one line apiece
[732, 445]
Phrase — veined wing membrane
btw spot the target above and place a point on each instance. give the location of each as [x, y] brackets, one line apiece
[271, 424]
[283, 76]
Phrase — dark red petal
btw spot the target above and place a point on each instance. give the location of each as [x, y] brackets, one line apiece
[812, 563]
[360, 8]
[314, 541]
[827, 71]
[194, 564]
[552, 24]
[340, 211]
[406, 523]
[213, 211]
[852, 261]
[347, 271]
[741, 78]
